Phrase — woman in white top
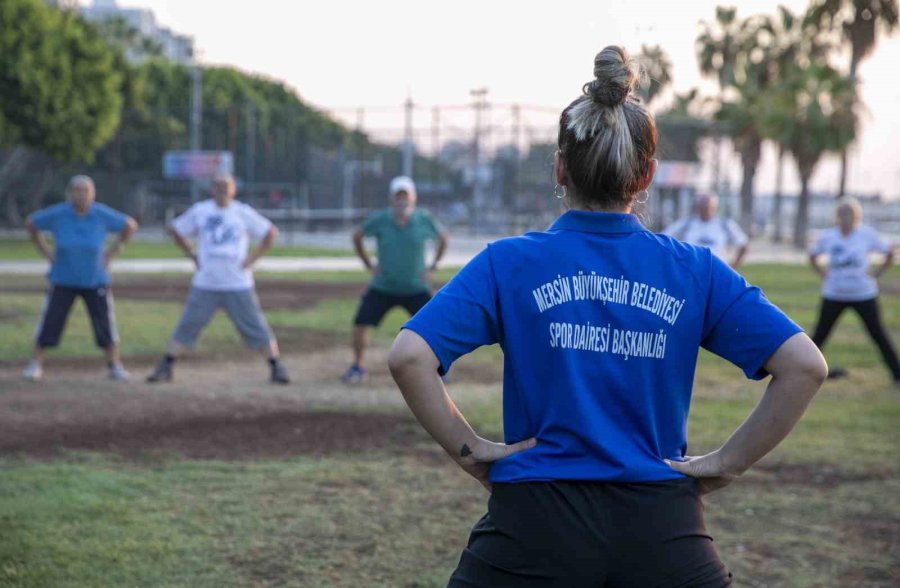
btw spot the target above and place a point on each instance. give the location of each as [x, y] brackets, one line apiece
[847, 281]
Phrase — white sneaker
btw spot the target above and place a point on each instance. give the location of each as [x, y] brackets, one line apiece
[118, 373]
[33, 371]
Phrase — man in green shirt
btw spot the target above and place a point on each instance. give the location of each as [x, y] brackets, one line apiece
[400, 276]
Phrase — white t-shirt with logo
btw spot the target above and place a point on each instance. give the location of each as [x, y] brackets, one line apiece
[718, 234]
[848, 278]
[223, 239]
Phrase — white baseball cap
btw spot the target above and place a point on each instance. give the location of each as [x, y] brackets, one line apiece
[402, 184]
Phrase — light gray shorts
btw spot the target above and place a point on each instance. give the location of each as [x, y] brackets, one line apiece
[241, 306]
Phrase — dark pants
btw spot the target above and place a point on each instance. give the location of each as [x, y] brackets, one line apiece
[869, 312]
[375, 304]
[592, 534]
[57, 306]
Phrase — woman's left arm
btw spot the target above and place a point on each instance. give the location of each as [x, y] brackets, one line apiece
[125, 235]
[888, 261]
[414, 367]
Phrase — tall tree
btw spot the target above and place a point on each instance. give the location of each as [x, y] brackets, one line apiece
[858, 22]
[657, 67]
[717, 48]
[59, 90]
[811, 113]
[796, 44]
[740, 108]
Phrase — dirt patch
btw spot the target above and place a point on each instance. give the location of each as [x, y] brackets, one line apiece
[273, 294]
[812, 474]
[879, 535]
[213, 428]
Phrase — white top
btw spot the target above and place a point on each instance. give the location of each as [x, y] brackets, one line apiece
[223, 239]
[848, 278]
[718, 234]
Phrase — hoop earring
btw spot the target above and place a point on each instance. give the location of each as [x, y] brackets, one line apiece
[643, 200]
[559, 195]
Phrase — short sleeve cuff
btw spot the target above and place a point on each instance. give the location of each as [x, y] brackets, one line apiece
[444, 358]
[120, 221]
[754, 369]
[41, 220]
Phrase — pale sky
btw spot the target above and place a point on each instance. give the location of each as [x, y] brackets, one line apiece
[343, 54]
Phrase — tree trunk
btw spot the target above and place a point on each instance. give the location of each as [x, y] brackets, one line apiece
[842, 187]
[801, 220]
[13, 214]
[14, 165]
[750, 154]
[778, 232]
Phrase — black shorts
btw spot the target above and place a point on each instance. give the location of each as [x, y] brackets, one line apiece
[592, 534]
[375, 304]
[58, 303]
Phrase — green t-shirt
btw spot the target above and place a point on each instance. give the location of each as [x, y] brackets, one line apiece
[401, 250]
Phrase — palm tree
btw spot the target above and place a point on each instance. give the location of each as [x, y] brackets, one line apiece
[740, 110]
[717, 48]
[858, 22]
[810, 112]
[797, 43]
[658, 68]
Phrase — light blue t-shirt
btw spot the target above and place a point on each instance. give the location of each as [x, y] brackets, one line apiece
[600, 322]
[79, 242]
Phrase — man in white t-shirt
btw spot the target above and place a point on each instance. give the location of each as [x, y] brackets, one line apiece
[705, 229]
[223, 229]
[848, 283]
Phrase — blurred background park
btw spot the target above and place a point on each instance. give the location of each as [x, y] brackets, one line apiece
[217, 480]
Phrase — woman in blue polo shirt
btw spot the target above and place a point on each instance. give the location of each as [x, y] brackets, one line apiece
[78, 263]
[600, 322]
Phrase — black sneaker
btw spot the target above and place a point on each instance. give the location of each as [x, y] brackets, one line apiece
[836, 373]
[161, 373]
[279, 374]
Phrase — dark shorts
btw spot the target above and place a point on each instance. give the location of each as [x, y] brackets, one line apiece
[592, 534]
[375, 304]
[58, 303]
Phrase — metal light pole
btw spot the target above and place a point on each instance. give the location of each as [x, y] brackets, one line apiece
[479, 104]
[196, 120]
[408, 150]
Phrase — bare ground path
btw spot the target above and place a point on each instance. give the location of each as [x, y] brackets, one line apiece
[213, 410]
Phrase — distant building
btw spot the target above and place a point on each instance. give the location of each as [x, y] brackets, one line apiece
[174, 46]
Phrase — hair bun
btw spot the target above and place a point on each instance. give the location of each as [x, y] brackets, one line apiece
[614, 75]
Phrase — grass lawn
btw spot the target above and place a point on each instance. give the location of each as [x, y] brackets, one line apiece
[20, 249]
[384, 519]
[822, 510]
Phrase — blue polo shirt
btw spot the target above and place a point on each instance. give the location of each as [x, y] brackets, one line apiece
[79, 242]
[600, 322]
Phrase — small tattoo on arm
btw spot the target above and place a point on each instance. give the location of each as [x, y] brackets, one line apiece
[465, 451]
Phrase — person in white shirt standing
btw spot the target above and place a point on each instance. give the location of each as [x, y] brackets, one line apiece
[704, 228]
[223, 229]
[847, 281]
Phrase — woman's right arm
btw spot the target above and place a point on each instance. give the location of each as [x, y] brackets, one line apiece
[814, 261]
[38, 239]
[798, 370]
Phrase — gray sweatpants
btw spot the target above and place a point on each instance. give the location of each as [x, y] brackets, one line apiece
[241, 306]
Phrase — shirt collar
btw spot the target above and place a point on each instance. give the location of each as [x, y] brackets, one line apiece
[597, 222]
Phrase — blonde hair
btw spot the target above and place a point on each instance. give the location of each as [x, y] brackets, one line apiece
[851, 203]
[607, 138]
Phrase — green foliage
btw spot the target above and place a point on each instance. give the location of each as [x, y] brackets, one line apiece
[59, 90]
[657, 67]
[718, 45]
[856, 21]
[810, 112]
